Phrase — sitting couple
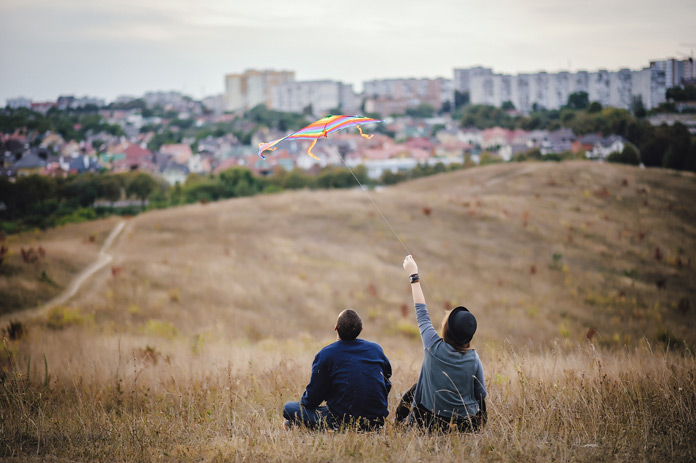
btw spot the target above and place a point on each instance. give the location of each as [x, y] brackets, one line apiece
[352, 376]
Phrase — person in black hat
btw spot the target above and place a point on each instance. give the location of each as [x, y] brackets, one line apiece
[450, 392]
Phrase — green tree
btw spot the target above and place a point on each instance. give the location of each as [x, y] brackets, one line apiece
[487, 158]
[238, 181]
[461, 99]
[485, 116]
[421, 111]
[685, 93]
[109, 188]
[392, 178]
[691, 160]
[652, 152]
[628, 155]
[677, 154]
[80, 190]
[578, 100]
[594, 107]
[637, 107]
[295, 180]
[142, 187]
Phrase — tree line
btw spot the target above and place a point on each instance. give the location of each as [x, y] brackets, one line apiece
[37, 201]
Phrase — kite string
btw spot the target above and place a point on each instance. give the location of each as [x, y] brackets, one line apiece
[371, 200]
[376, 207]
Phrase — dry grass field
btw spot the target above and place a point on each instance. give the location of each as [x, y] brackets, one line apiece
[184, 348]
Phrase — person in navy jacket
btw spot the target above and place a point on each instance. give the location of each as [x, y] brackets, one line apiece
[352, 376]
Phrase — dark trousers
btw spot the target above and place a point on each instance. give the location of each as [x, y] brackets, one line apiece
[424, 418]
[318, 418]
[322, 418]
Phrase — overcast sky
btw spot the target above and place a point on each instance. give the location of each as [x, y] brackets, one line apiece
[107, 48]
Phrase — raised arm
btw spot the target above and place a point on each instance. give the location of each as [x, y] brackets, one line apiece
[425, 326]
[412, 268]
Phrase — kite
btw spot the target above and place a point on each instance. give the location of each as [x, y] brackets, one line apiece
[321, 128]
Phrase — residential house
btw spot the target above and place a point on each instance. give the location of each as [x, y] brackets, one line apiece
[604, 147]
[70, 148]
[495, 137]
[82, 163]
[448, 136]
[198, 164]
[559, 141]
[586, 142]
[538, 138]
[174, 172]
[53, 142]
[472, 136]
[132, 157]
[258, 166]
[33, 162]
[508, 151]
[179, 151]
[453, 149]
[228, 164]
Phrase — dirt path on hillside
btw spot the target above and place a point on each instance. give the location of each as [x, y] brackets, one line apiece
[103, 258]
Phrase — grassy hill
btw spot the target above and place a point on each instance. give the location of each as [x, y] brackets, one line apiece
[210, 314]
[537, 251]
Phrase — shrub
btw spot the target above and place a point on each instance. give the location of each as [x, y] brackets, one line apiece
[629, 155]
[81, 215]
[160, 328]
[60, 317]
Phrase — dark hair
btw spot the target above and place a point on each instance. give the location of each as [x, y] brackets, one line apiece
[348, 325]
[449, 339]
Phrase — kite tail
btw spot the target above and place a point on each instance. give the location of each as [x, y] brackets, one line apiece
[309, 150]
[363, 135]
[267, 149]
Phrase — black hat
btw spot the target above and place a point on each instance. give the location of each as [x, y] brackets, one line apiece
[461, 325]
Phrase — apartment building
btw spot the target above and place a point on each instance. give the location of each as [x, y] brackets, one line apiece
[322, 96]
[393, 96]
[551, 90]
[253, 87]
[650, 85]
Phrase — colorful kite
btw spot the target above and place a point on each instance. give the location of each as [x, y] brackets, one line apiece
[321, 128]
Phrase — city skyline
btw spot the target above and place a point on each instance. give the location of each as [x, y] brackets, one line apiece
[128, 48]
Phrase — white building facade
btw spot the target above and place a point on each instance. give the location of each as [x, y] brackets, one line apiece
[321, 96]
[253, 87]
[411, 92]
[551, 90]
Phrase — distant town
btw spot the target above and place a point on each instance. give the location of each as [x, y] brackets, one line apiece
[477, 113]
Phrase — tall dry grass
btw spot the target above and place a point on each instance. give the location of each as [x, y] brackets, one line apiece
[107, 398]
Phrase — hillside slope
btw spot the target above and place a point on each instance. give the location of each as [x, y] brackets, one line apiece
[537, 251]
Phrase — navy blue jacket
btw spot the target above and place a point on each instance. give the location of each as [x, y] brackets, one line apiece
[353, 378]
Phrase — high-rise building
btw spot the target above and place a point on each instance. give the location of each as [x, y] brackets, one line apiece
[462, 77]
[677, 72]
[621, 88]
[321, 96]
[551, 90]
[390, 96]
[253, 87]
[559, 90]
[648, 84]
[19, 102]
[599, 86]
